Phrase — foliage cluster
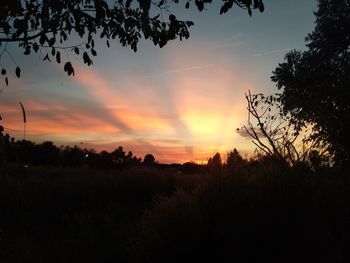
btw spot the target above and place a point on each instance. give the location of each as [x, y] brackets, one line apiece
[315, 82]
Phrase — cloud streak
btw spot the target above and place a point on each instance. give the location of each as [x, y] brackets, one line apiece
[260, 54]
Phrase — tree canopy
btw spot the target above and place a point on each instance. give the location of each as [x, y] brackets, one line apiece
[149, 160]
[47, 26]
[315, 82]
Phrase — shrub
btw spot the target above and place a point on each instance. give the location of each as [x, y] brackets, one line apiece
[289, 218]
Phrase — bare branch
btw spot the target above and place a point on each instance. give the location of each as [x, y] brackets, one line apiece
[275, 135]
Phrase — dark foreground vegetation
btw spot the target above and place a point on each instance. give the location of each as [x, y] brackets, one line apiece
[240, 211]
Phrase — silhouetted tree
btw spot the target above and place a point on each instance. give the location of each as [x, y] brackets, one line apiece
[149, 160]
[73, 156]
[132, 160]
[118, 156]
[49, 153]
[315, 83]
[274, 133]
[214, 163]
[120, 159]
[7, 149]
[234, 161]
[45, 26]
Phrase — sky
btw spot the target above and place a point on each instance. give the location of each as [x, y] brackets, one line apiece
[182, 102]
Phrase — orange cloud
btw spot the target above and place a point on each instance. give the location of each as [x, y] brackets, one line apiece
[131, 112]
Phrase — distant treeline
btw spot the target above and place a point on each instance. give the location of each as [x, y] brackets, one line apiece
[47, 153]
[26, 152]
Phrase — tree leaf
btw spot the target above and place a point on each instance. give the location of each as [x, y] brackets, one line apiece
[87, 59]
[42, 39]
[200, 5]
[261, 7]
[52, 41]
[69, 68]
[172, 18]
[127, 3]
[18, 72]
[35, 47]
[27, 51]
[58, 57]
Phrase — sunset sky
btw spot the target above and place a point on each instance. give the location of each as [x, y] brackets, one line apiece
[181, 103]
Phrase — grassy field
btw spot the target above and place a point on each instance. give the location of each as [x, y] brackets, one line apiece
[262, 212]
